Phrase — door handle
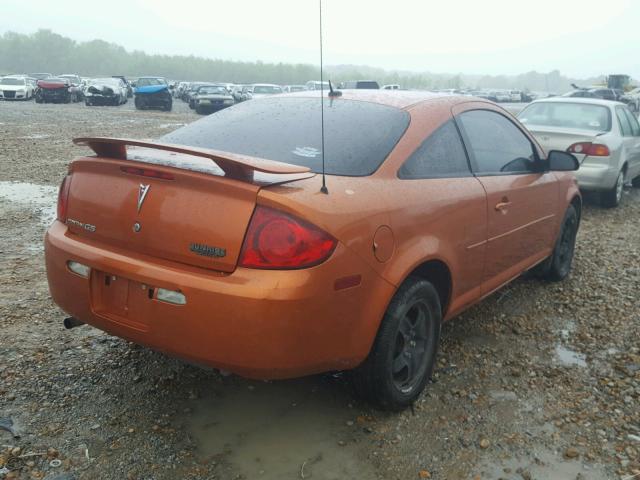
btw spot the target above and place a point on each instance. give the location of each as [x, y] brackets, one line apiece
[502, 206]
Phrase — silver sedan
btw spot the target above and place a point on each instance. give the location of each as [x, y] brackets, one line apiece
[603, 135]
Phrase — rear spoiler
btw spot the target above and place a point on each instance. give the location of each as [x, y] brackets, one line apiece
[236, 166]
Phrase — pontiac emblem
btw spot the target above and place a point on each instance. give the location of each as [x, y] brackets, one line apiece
[142, 193]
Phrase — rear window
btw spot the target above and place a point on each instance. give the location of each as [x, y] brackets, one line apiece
[583, 116]
[358, 135]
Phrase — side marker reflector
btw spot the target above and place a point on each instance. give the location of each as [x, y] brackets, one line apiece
[347, 282]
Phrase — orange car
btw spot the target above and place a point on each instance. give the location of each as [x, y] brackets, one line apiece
[216, 244]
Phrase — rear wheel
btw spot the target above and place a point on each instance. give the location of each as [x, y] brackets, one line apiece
[168, 106]
[403, 354]
[636, 182]
[139, 103]
[558, 265]
[611, 198]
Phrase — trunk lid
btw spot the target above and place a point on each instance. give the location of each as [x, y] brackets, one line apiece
[552, 138]
[191, 212]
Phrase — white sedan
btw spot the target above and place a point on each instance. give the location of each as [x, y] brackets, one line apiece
[15, 88]
[603, 135]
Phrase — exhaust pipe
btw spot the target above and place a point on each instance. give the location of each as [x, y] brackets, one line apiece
[71, 322]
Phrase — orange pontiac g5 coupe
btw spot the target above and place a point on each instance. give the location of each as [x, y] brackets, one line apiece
[216, 244]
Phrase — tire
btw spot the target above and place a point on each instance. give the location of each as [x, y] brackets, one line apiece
[636, 182]
[139, 103]
[558, 265]
[403, 354]
[201, 111]
[192, 104]
[168, 106]
[611, 198]
[87, 102]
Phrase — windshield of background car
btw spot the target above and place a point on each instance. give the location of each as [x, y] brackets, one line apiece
[266, 89]
[583, 116]
[212, 91]
[12, 81]
[147, 82]
[358, 135]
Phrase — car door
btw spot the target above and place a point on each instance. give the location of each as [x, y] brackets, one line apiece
[443, 204]
[631, 139]
[522, 196]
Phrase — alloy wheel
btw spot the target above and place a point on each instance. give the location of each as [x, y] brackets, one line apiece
[409, 356]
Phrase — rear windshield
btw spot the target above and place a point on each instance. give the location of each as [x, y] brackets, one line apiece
[583, 116]
[358, 135]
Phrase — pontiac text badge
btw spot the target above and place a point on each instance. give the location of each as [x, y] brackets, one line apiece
[142, 193]
[207, 251]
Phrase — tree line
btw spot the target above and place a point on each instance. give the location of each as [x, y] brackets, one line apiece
[47, 51]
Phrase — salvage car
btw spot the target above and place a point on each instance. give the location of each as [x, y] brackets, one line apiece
[57, 90]
[15, 88]
[153, 92]
[260, 90]
[211, 98]
[126, 83]
[293, 88]
[603, 135]
[232, 242]
[105, 91]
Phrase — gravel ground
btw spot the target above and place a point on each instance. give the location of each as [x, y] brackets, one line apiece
[540, 381]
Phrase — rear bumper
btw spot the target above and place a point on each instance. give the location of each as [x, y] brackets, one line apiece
[596, 176]
[256, 323]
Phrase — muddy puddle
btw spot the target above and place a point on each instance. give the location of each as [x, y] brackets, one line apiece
[40, 198]
[542, 465]
[569, 357]
[281, 430]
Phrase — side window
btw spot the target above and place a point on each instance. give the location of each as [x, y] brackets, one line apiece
[496, 145]
[633, 121]
[625, 126]
[441, 155]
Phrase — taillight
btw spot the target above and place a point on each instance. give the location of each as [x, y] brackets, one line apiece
[591, 149]
[277, 240]
[63, 199]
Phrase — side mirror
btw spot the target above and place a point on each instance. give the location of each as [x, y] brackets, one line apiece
[562, 161]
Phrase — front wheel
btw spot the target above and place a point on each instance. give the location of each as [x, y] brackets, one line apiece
[139, 103]
[403, 354]
[611, 198]
[636, 182]
[558, 265]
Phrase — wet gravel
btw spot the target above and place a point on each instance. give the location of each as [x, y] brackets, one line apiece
[540, 381]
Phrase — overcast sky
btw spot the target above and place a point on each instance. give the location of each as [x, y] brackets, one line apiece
[581, 38]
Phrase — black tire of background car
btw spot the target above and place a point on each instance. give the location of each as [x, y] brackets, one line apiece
[558, 265]
[374, 380]
[88, 102]
[168, 106]
[636, 182]
[139, 103]
[610, 198]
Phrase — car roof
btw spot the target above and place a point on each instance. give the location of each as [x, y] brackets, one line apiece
[591, 101]
[393, 98]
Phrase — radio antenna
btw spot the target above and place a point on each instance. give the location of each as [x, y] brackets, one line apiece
[323, 189]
